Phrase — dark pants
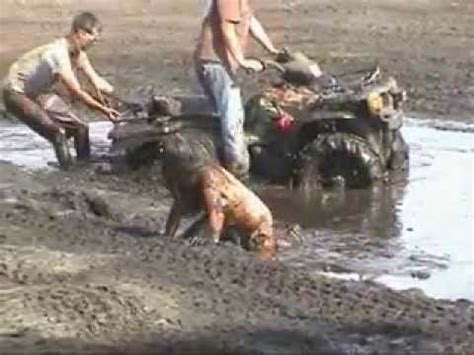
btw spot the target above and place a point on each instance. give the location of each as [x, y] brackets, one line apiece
[50, 117]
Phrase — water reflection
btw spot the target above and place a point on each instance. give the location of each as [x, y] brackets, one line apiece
[421, 229]
[373, 212]
[21, 146]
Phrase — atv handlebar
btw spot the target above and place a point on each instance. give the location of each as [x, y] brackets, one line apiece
[271, 64]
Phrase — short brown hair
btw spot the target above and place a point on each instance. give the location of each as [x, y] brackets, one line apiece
[86, 21]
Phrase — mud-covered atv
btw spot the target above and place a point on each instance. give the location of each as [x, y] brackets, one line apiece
[307, 129]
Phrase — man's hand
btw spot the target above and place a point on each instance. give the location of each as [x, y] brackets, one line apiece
[283, 55]
[105, 108]
[253, 65]
[112, 115]
[281, 51]
[274, 51]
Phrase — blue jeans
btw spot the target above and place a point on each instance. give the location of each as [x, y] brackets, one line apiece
[225, 96]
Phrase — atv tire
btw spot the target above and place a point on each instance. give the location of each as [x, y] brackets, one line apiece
[338, 158]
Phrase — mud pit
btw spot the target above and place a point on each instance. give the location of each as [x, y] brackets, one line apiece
[82, 263]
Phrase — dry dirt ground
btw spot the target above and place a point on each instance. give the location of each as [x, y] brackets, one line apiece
[82, 264]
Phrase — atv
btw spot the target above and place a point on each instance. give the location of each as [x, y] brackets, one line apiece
[305, 129]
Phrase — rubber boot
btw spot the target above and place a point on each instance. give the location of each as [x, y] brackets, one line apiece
[62, 150]
[82, 143]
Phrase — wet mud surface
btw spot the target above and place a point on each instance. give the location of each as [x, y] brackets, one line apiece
[83, 264]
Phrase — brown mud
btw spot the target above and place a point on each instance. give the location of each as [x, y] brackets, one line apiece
[83, 265]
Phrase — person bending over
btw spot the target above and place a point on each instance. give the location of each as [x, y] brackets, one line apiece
[29, 88]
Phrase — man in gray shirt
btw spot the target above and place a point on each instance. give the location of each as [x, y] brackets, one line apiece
[28, 91]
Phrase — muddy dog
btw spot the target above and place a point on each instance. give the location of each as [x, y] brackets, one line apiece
[199, 184]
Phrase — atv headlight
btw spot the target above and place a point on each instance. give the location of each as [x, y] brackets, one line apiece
[375, 104]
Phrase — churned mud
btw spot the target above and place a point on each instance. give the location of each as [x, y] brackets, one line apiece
[83, 264]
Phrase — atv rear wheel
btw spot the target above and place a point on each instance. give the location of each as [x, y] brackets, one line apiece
[338, 157]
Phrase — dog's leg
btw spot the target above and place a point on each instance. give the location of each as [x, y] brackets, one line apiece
[195, 230]
[213, 205]
[173, 220]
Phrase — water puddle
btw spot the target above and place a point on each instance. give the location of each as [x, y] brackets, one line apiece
[415, 233]
[21, 146]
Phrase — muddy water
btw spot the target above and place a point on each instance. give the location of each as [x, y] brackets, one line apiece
[416, 232]
[20, 146]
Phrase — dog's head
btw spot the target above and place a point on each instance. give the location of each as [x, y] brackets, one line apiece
[263, 243]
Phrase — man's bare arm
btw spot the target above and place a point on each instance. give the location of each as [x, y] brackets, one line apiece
[232, 41]
[234, 48]
[229, 16]
[74, 87]
[96, 80]
[260, 35]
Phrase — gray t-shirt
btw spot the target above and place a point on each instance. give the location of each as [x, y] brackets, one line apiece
[36, 71]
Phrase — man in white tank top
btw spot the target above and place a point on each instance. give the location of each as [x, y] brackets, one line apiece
[28, 91]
